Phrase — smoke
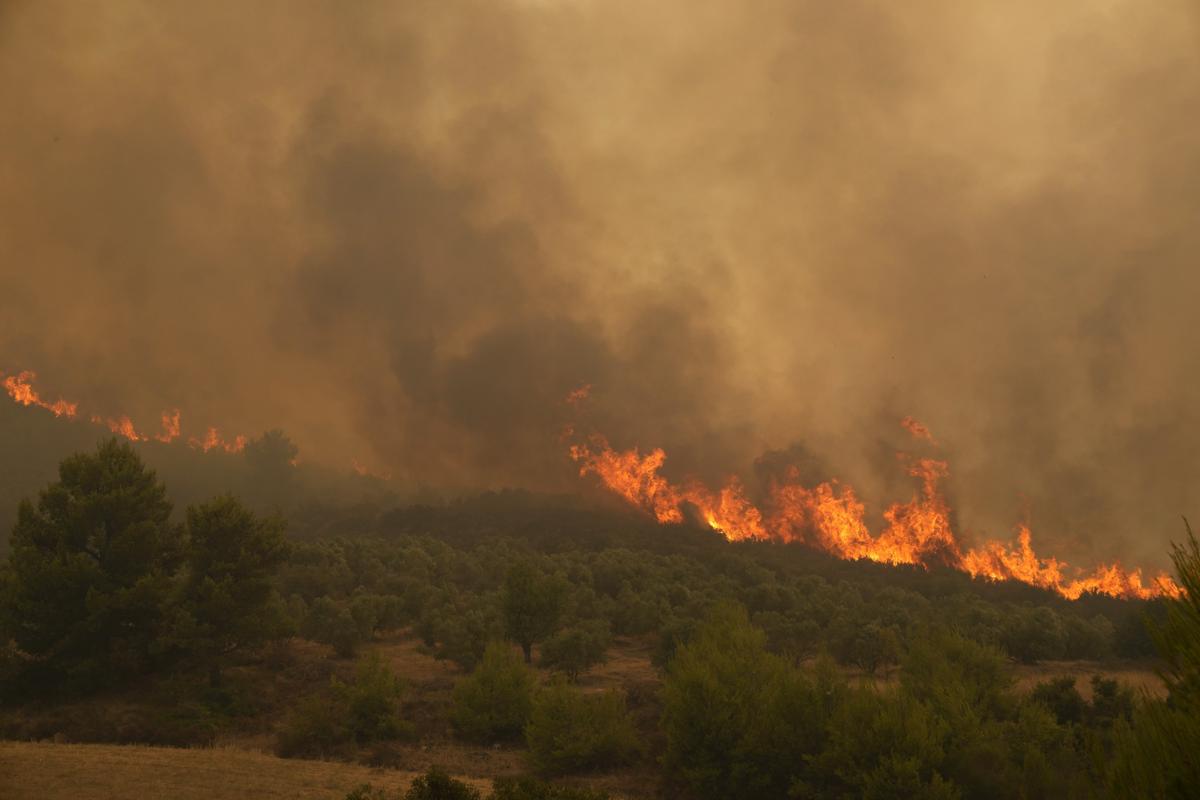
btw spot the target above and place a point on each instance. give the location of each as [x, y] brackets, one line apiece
[405, 231]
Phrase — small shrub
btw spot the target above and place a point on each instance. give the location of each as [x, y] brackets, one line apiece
[532, 789]
[329, 623]
[316, 729]
[575, 649]
[366, 791]
[437, 785]
[373, 701]
[1060, 697]
[365, 710]
[570, 731]
[494, 701]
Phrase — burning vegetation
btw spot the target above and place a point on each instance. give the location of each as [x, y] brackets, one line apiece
[830, 517]
[20, 388]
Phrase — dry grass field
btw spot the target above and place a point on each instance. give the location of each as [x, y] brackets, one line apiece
[47, 771]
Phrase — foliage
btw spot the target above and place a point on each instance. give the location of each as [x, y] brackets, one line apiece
[436, 784]
[372, 701]
[1061, 698]
[231, 558]
[533, 605]
[331, 623]
[363, 711]
[577, 648]
[533, 789]
[90, 567]
[1157, 753]
[495, 701]
[569, 731]
[737, 719]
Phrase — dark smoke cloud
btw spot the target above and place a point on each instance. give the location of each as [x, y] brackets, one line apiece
[404, 231]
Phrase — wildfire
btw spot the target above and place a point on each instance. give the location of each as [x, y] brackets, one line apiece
[212, 441]
[20, 389]
[577, 396]
[917, 429]
[830, 517]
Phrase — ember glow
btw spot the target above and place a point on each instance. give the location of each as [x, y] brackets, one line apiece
[830, 517]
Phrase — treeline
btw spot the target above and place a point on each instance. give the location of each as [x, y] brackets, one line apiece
[104, 585]
[343, 590]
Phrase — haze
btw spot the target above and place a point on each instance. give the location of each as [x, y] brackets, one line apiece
[403, 232]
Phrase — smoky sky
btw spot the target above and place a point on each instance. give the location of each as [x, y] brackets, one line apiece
[404, 231]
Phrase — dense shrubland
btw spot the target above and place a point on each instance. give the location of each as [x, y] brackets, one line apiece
[761, 649]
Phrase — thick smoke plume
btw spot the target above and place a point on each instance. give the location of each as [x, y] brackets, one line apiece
[404, 231]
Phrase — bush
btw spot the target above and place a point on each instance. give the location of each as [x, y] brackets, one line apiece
[329, 623]
[364, 711]
[570, 731]
[373, 702]
[437, 785]
[494, 701]
[315, 729]
[574, 650]
[1060, 697]
[739, 722]
[531, 789]
[366, 791]
[1035, 634]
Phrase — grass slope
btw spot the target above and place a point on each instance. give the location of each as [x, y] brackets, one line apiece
[47, 771]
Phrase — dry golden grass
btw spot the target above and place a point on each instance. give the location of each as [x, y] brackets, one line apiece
[46, 771]
[1140, 678]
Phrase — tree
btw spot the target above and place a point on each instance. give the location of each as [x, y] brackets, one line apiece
[739, 722]
[532, 604]
[231, 558]
[570, 731]
[363, 711]
[90, 567]
[495, 700]
[1157, 755]
[329, 623]
[577, 648]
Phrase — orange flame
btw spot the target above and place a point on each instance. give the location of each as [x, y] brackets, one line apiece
[577, 396]
[123, 426]
[917, 429]
[170, 427]
[829, 517]
[212, 441]
[20, 389]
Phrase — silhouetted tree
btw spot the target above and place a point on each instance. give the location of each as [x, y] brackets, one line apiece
[90, 566]
[533, 605]
[231, 558]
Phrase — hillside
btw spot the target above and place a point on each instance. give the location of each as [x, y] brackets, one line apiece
[49, 771]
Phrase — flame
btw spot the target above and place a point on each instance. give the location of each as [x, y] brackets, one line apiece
[364, 471]
[917, 429]
[830, 517]
[20, 389]
[170, 427]
[212, 441]
[577, 396]
[123, 426]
